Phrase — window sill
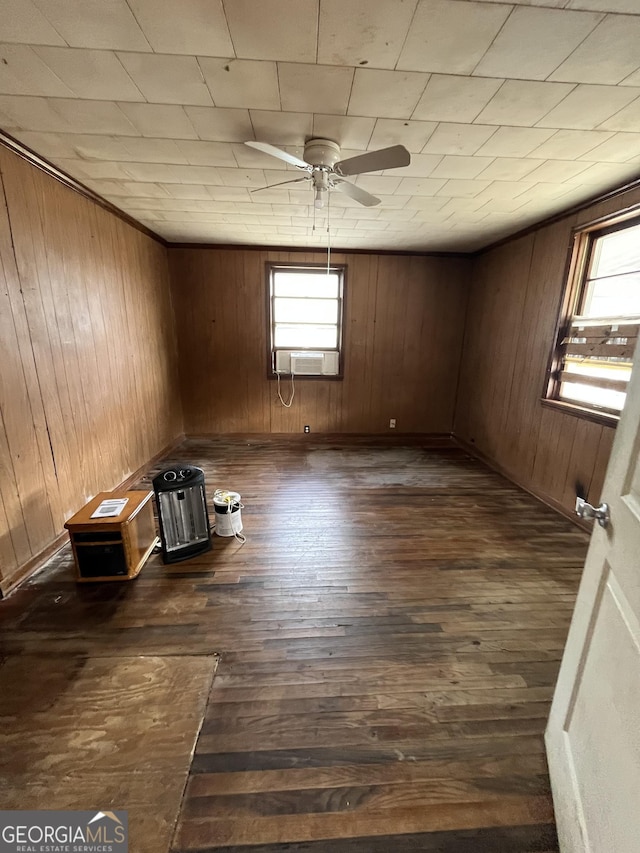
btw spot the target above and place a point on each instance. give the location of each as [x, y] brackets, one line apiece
[603, 418]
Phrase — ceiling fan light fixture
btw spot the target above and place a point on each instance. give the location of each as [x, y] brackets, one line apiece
[319, 199]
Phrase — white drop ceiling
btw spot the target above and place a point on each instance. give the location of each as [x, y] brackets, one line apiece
[511, 111]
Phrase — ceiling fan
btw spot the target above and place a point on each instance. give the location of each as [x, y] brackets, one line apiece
[327, 171]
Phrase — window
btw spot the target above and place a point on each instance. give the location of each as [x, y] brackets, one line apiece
[305, 319]
[592, 360]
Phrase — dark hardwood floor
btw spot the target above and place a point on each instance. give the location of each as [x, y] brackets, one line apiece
[386, 645]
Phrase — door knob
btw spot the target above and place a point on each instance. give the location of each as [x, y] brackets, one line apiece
[586, 510]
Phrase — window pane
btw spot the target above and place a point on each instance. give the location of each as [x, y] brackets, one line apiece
[601, 369]
[305, 310]
[616, 253]
[613, 297]
[302, 284]
[292, 336]
[602, 397]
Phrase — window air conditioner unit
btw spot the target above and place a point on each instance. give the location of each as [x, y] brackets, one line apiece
[307, 363]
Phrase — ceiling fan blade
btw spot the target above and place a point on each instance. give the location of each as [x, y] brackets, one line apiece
[279, 153]
[356, 193]
[374, 161]
[282, 183]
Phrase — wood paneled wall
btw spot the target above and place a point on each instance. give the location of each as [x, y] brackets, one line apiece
[511, 322]
[88, 370]
[404, 318]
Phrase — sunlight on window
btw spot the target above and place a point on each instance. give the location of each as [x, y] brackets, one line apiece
[305, 308]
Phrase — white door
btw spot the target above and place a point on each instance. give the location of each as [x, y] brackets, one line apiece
[593, 736]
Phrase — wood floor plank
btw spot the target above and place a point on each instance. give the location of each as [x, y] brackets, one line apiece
[387, 642]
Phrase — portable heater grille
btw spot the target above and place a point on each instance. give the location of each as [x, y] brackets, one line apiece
[182, 513]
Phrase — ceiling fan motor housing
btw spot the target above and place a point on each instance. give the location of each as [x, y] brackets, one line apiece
[322, 152]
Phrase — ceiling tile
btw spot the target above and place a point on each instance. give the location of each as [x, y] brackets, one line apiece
[421, 166]
[514, 142]
[22, 72]
[242, 83]
[412, 134]
[140, 190]
[282, 128]
[186, 191]
[190, 26]
[91, 74]
[374, 184]
[148, 172]
[153, 151]
[23, 22]
[420, 186]
[521, 102]
[533, 42]
[98, 147]
[207, 153]
[392, 94]
[360, 213]
[370, 33]
[219, 124]
[588, 106]
[510, 169]
[604, 5]
[93, 116]
[608, 55]
[502, 189]
[618, 149]
[160, 120]
[450, 138]
[107, 189]
[460, 167]
[632, 79]
[462, 188]
[47, 144]
[285, 30]
[569, 144]
[245, 178]
[178, 174]
[92, 169]
[542, 190]
[95, 23]
[557, 171]
[167, 79]
[229, 193]
[314, 88]
[347, 131]
[451, 36]
[627, 119]
[607, 175]
[455, 99]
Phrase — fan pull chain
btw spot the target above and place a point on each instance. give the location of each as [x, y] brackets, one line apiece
[328, 231]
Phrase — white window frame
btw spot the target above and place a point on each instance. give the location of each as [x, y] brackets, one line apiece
[590, 338]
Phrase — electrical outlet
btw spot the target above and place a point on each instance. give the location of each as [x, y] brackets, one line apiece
[307, 428]
[392, 423]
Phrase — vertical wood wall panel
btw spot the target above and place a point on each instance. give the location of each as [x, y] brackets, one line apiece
[513, 310]
[88, 372]
[404, 319]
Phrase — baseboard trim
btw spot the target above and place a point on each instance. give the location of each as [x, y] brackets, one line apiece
[432, 439]
[9, 584]
[547, 500]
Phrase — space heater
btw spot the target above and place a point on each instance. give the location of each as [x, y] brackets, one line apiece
[182, 513]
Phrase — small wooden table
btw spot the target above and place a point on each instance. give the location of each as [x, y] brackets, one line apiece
[113, 549]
